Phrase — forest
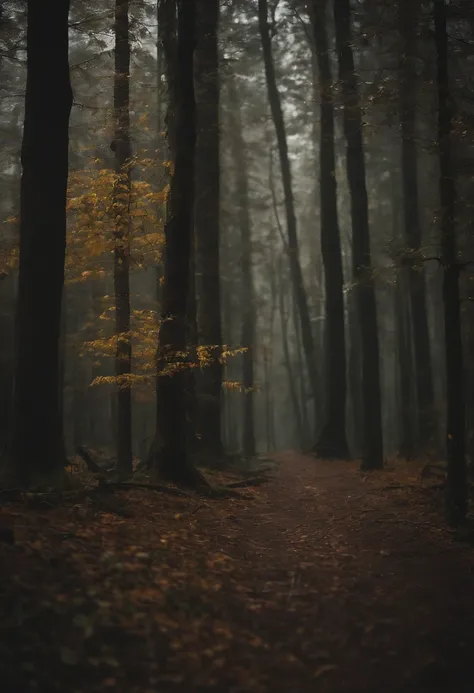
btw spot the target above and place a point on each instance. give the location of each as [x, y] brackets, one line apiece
[236, 346]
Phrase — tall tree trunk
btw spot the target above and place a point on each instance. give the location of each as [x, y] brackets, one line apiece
[161, 148]
[167, 38]
[301, 379]
[62, 358]
[361, 259]
[456, 486]
[123, 355]
[192, 414]
[97, 399]
[269, 352]
[332, 442]
[247, 288]
[267, 394]
[166, 15]
[405, 399]
[38, 447]
[293, 253]
[405, 366]
[229, 320]
[172, 460]
[292, 379]
[416, 276]
[206, 224]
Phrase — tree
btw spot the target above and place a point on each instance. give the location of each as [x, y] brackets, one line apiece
[409, 10]
[456, 486]
[291, 224]
[361, 255]
[332, 442]
[292, 379]
[38, 450]
[247, 294]
[405, 370]
[167, 38]
[206, 224]
[122, 147]
[172, 460]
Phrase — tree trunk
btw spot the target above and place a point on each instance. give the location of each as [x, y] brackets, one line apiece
[332, 442]
[354, 375]
[206, 224]
[361, 258]
[407, 423]
[38, 448]
[269, 353]
[405, 369]
[7, 330]
[247, 288]
[456, 486]
[192, 430]
[292, 379]
[172, 460]
[293, 253]
[267, 397]
[411, 223]
[167, 38]
[166, 65]
[96, 398]
[123, 354]
[161, 145]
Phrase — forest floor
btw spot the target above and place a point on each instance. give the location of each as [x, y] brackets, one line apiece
[325, 579]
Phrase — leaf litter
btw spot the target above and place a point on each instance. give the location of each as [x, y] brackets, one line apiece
[307, 581]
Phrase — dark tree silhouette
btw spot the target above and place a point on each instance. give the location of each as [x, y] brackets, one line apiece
[456, 486]
[206, 222]
[361, 257]
[332, 442]
[172, 459]
[123, 356]
[409, 11]
[239, 157]
[38, 450]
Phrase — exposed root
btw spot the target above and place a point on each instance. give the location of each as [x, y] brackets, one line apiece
[171, 491]
[245, 483]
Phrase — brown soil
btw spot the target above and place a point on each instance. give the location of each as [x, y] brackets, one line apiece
[326, 580]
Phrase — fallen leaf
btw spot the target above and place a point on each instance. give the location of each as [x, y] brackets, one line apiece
[325, 669]
[69, 656]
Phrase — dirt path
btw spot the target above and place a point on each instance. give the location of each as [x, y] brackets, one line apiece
[326, 580]
[374, 595]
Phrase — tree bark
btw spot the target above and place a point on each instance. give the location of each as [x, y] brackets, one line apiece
[361, 257]
[167, 37]
[206, 224]
[405, 378]
[292, 379]
[247, 287]
[192, 413]
[405, 369]
[38, 447]
[122, 193]
[332, 442]
[456, 484]
[411, 223]
[172, 459]
[291, 225]
[162, 150]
